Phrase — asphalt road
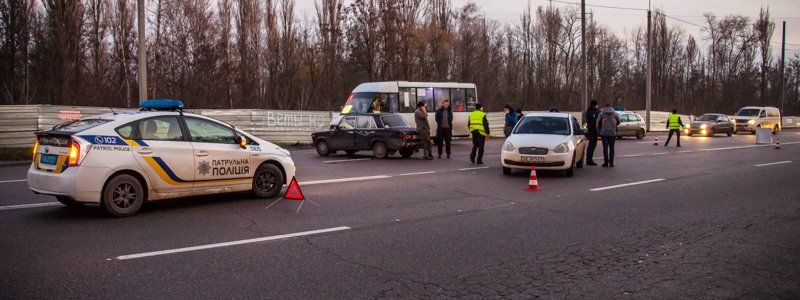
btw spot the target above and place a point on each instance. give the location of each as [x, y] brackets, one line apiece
[719, 217]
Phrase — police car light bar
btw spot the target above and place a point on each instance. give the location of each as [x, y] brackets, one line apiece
[162, 105]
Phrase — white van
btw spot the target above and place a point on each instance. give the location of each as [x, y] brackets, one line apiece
[751, 117]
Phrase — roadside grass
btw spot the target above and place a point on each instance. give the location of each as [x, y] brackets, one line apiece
[15, 153]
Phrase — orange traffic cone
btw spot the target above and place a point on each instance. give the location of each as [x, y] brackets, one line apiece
[655, 142]
[778, 143]
[533, 183]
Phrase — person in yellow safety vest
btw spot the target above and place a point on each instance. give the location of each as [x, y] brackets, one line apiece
[674, 124]
[479, 127]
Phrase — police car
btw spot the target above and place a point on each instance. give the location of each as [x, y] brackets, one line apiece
[120, 160]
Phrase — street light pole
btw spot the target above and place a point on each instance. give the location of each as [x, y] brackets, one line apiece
[584, 81]
[649, 86]
[783, 67]
[142, 54]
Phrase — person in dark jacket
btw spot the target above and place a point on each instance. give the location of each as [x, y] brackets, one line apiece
[478, 125]
[511, 119]
[519, 114]
[590, 120]
[444, 128]
[607, 123]
[423, 129]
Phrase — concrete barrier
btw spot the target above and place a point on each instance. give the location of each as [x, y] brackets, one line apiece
[19, 122]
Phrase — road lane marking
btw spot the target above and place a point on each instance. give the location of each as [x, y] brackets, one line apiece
[15, 180]
[231, 243]
[34, 205]
[626, 184]
[345, 179]
[632, 155]
[660, 153]
[345, 160]
[774, 163]
[417, 173]
[475, 168]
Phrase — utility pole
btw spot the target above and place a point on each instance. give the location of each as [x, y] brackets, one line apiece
[649, 87]
[783, 67]
[142, 55]
[584, 81]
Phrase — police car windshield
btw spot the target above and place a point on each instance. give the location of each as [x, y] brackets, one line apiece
[748, 112]
[80, 125]
[394, 121]
[707, 118]
[543, 125]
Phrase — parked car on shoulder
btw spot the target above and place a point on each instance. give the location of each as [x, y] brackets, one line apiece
[711, 124]
[383, 133]
[548, 141]
[631, 124]
[749, 118]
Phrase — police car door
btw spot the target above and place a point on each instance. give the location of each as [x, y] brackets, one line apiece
[220, 161]
[160, 147]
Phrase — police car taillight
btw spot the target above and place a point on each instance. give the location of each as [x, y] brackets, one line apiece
[74, 154]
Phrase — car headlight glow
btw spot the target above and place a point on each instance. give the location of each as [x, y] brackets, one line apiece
[561, 148]
[751, 122]
[704, 126]
[508, 147]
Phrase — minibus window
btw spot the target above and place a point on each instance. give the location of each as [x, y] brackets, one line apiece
[440, 94]
[457, 100]
[425, 95]
[408, 100]
[472, 99]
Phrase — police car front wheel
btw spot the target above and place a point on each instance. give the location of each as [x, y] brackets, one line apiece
[123, 195]
[267, 181]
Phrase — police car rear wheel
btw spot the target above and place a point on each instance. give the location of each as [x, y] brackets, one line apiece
[406, 153]
[122, 196]
[267, 181]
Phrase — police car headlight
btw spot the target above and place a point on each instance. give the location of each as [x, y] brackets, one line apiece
[751, 122]
[704, 126]
[508, 147]
[561, 148]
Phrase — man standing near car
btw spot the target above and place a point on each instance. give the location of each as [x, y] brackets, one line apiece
[423, 129]
[590, 119]
[674, 125]
[607, 122]
[444, 128]
[479, 127]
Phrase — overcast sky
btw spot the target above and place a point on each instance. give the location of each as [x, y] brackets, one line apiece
[623, 21]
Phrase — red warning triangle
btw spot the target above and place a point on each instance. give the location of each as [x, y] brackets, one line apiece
[294, 192]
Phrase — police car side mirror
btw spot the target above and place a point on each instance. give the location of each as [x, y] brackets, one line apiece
[242, 141]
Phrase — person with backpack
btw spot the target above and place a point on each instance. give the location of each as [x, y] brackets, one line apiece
[607, 122]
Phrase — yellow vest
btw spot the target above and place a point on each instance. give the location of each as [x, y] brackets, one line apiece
[476, 121]
[673, 121]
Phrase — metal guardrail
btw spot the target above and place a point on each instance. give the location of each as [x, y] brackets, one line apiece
[19, 122]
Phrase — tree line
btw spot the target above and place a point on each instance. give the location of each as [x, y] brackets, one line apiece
[265, 54]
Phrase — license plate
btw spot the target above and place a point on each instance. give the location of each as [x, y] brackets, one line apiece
[533, 159]
[48, 159]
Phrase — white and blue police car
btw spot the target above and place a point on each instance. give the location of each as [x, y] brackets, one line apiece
[121, 160]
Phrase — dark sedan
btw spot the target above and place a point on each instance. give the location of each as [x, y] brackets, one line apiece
[711, 124]
[384, 134]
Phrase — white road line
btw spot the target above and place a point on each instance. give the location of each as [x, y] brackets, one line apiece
[631, 155]
[775, 163]
[345, 160]
[626, 184]
[660, 153]
[232, 243]
[21, 206]
[475, 168]
[15, 180]
[344, 179]
[417, 173]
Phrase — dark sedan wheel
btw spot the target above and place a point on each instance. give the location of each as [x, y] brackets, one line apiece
[379, 150]
[267, 181]
[730, 133]
[406, 153]
[122, 196]
[322, 148]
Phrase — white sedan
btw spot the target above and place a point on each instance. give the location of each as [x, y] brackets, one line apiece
[121, 160]
[548, 141]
